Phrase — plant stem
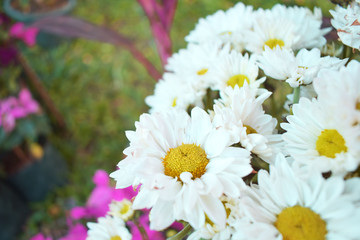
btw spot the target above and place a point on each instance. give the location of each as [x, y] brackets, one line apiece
[37, 85]
[183, 233]
[296, 95]
[142, 231]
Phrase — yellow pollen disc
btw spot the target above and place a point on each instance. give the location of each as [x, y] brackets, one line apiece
[330, 142]
[125, 208]
[357, 106]
[238, 79]
[115, 238]
[202, 71]
[273, 42]
[249, 130]
[300, 223]
[185, 158]
[174, 102]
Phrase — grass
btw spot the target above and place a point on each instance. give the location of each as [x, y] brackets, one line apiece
[100, 91]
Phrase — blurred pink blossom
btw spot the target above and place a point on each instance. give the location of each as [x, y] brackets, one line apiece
[77, 232]
[26, 34]
[98, 202]
[25, 104]
[13, 108]
[40, 236]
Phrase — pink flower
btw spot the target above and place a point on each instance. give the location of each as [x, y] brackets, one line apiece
[101, 178]
[98, 202]
[77, 232]
[25, 104]
[40, 236]
[79, 213]
[7, 119]
[27, 35]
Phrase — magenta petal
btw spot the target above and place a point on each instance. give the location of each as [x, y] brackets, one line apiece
[78, 232]
[40, 236]
[32, 107]
[78, 212]
[25, 95]
[19, 112]
[128, 193]
[101, 178]
[29, 36]
[17, 30]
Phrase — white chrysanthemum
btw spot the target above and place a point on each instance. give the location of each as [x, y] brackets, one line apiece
[301, 69]
[184, 164]
[347, 23]
[193, 63]
[233, 69]
[228, 26]
[212, 231]
[108, 228]
[288, 27]
[286, 206]
[241, 113]
[121, 209]
[173, 92]
[318, 139]
[341, 89]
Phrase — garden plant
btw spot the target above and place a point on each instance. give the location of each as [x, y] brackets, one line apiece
[251, 129]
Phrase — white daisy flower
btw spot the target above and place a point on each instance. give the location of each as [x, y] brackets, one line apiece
[316, 138]
[121, 209]
[240, 112]
[286, 206]
[341, 89]
[301, 69]
[228, 26]
[212, 231]
[287, 27]
[184, 164]
[193, 63]
[347, 23]
[234, 69]
[173, 92]
[108, 228]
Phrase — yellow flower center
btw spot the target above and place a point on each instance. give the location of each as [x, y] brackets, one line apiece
[300, 223]
[174, 102]
[357, 105]
[185, 158]
[330, 142]
[115, 238]
[125, 208]
[238, 79]
[202, 71]
[273, 42]
[249, 130]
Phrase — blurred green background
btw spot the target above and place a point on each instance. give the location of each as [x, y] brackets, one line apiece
[100, 91]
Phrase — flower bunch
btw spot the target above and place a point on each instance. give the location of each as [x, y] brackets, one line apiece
[114, 215]
[211, 152]
[13, 108]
